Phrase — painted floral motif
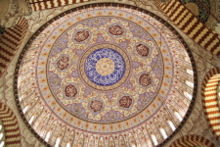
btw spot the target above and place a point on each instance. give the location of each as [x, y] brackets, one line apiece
[142, 50]
[77, 109]
[145, 99]
[116, 30]
[60, 44]
[96, 105]
[70, 90]
[145, 80]
[125, 102]
[63, 62]
[112, 116]
[81, 35]
[55, 80]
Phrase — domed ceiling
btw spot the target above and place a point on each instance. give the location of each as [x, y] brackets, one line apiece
[105, 74]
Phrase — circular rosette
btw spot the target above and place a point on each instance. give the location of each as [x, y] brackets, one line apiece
[63, 62]
[81, 35]
[70, 91]
[104, 66]
[145, 80]
[142, 49]
[96, 105]
[125, 102]
[116, 30]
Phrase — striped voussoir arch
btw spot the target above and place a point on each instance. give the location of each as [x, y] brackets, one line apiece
[10, 124]
[192, 141]
[211, 105]
[10, 41]
[49, 4]
[187, 22]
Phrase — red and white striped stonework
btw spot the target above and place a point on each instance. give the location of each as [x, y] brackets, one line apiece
[188, 23]
[10, 41]
[192, 141]
[211, 101]
[11, 127]
[218, 91]
[48, 4]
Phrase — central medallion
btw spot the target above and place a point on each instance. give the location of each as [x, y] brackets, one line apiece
[105, 66]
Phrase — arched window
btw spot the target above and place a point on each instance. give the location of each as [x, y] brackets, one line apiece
[154, 139]
[68, 145]
[163, 133]
[47, 136]
[57, 142]
[179, 117]
[172, 126]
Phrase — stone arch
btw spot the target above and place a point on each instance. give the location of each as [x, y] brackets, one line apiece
[191, 141]
[11, 127]
[10, 41]
[189, 24]
[210, 100]
[42, 5]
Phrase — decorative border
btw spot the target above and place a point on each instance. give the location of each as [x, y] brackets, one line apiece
[101, 5]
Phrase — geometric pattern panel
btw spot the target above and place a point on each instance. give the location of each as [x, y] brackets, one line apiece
[188, 23]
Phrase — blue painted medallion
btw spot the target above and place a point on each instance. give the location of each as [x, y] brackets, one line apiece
[105, 67]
